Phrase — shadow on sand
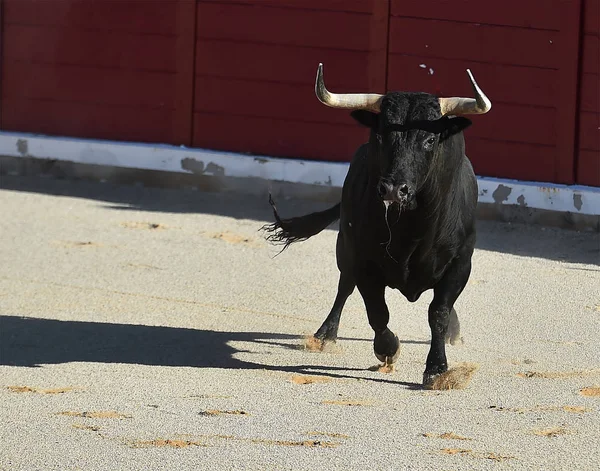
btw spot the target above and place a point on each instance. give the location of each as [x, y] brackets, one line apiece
[32, 342]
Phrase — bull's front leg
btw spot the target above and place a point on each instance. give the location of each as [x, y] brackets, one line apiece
[371, 285]
[442, 313]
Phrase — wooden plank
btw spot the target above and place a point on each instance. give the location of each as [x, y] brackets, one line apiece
[344, 70]
[182, 130]
[140, 16]
[520, 161]
[591, 16]
[264, 99]
[89, 85]
[319, 29]
[589, 131]
[590, 93]
[65, 45]
[533, 14]
[476, 43]
[448, 77]
[516, 123]
[379, 40]
[87, 120]
[588, 169]
[590, 58]
[356, 6]
[275, 137]
[568, 52]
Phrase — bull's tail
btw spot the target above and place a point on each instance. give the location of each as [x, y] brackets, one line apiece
[287, 231]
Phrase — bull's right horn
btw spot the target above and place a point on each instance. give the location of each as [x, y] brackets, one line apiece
[460, 106]
[346, 101]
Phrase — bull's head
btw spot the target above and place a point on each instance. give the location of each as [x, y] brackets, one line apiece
[409, 131]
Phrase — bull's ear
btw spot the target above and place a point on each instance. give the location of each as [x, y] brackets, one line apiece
[452, 126]
[366, 118]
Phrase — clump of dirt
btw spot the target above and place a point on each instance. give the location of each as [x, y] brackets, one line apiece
[495, 456]
[231, 238]
[457, 377]
[182, 443]
[456, 451]
[93, 428]
[143, 225]
[557, 374]
[27, 389]
[386, 368]
[552, 432]
[475, 454]
[76, 243]
[207, 396]
[303, 379]
[305, 443]
[313, 344]
[576, 409]
[327, 434]
[522, 410]
[590, 391]
[95, 415]
[446, 436]
[213, 412]
[347, 402]
[164, 443]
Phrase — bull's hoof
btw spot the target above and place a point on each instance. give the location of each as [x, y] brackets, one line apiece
[386, 347]
[429, 380]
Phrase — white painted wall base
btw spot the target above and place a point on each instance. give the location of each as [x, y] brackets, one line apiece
[546, 196]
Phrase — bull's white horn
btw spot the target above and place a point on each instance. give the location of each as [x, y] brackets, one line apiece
[460, 106]
[346, 101]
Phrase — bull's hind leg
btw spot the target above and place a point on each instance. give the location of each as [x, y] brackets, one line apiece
[442, 314]
[386, 345]
[329, 329]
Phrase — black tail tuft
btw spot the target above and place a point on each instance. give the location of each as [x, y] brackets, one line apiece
[287, 231]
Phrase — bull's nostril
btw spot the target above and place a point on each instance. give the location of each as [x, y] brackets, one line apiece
[384, 189]
[403, 190]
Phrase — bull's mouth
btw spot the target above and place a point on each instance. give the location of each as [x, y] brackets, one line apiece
[399, 204]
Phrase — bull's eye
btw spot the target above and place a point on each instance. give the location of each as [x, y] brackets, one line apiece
[429, 142]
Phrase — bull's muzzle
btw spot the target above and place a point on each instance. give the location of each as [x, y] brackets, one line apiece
[400, 194]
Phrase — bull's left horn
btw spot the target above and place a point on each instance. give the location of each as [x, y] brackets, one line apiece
[347, 101]
[459, 106]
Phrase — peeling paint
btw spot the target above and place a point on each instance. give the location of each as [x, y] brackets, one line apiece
[23, 147]
[192, 165]
[215, 169]
[521, 201]
[577, 201]
[501, 193]
[198, 167]
[261, 160]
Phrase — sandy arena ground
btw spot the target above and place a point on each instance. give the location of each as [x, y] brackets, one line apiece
[147, 329]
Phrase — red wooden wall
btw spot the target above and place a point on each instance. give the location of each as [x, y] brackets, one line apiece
[238, 74]
[588, 169]
[255, 70]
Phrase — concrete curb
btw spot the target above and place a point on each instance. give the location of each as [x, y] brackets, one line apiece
[574, 206]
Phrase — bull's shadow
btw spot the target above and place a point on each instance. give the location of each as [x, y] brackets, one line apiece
[32, 342]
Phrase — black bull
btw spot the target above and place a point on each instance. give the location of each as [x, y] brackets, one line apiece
[407, 221]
